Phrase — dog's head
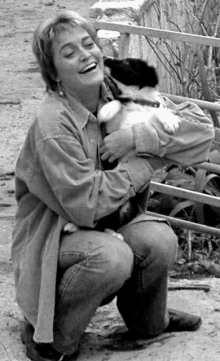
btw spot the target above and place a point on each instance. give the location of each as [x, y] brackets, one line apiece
[131, 72]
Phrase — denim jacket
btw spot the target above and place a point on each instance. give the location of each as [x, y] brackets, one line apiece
[59, 179]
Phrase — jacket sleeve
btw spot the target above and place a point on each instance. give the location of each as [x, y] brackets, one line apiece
[189, 145]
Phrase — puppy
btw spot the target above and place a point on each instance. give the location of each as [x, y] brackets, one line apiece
[137, 100]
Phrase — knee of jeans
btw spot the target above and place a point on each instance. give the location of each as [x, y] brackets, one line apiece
[163, 250]
[167, 251]
[119, 260]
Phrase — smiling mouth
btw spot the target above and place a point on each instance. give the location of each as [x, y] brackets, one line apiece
[89, 68]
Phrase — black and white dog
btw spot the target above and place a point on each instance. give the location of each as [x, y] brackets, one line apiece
[138, 98]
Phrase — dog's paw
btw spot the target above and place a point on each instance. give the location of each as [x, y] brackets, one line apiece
[70, 228]
[109, 111]
[171, 123]
[114, 234]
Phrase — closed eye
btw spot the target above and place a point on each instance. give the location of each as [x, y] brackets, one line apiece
[89, 45]
[69, 54]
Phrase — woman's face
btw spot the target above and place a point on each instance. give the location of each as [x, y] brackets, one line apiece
[78, 60]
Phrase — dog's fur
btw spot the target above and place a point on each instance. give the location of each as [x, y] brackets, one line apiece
[135, 82]
[137, 85]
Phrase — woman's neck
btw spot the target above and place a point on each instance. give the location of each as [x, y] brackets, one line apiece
[89, 98]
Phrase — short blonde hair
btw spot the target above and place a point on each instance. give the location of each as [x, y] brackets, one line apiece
[44, 36]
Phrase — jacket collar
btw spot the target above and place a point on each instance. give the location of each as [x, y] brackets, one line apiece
[83, 115]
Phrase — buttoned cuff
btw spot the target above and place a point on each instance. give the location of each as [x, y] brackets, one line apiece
[146, 139]
[139, 171]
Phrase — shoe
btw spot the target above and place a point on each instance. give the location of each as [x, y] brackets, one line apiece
[40, 351]
[182, 321]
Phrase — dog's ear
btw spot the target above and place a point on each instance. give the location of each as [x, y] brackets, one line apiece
[132, 71]
[147, 74]
[150, 77]
[120, 70]
[111, 62]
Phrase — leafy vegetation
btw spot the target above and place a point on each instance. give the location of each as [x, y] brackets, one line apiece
[198, 253]
[195, 73]
[193, 70]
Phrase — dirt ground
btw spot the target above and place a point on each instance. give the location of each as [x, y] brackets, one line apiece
[21, 92]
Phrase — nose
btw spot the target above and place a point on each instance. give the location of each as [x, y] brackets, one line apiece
[84, 53]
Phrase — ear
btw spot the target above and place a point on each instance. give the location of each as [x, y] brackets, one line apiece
[145, 74]
[111, 62]
[148, 75]
[109, 111]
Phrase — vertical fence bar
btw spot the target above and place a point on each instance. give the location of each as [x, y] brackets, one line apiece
[124, 41]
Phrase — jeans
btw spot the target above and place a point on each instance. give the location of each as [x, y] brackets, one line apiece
[94, 267]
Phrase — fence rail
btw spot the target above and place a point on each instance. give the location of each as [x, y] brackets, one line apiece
[157, 33]
[124, 38]
[125, 32]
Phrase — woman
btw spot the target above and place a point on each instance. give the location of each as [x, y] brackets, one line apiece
[62, 278]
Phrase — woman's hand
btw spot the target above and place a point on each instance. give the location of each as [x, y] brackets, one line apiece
[117, 144]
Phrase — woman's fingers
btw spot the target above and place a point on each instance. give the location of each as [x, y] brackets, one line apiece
[108, 156]
[117, 144]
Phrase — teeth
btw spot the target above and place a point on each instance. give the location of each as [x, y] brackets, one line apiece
[89, 67]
